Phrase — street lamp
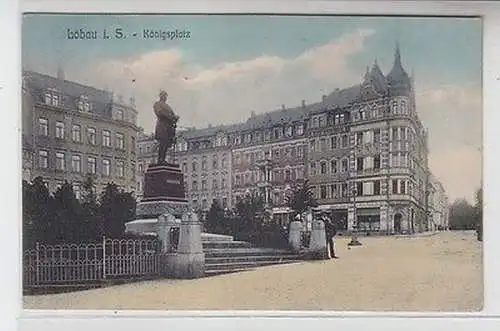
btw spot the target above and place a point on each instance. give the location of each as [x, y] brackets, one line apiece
[354, 235]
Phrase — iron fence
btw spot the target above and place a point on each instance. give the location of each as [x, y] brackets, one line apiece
[68, 264]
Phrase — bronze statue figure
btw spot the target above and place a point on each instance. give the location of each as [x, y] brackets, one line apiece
[166, 123]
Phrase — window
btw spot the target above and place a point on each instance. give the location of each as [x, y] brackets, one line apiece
[106, 167]
[141, 167]
[120, 169]
[76, 133]
[313, 168]
[376, 136]
[43, 159]
[359, 163]
[395, 133]
[345, 141]
[362, 114]
[289, 131]
[184, 167]
[215, 184]
[120, 141]
[333, 142]
[194, 166]
[51, 99]
[195, 185]
[204, 163]
[106, 138]
[334, 166]
[299, 152]
[344, 165]
[359, 189]
[215, 162]
[91, 163]
[322, 192]
[343, 191]
[60, 164]
[312, 145]
[376, 187]
[248, 138]
[224, 202]
[300, 129]
[91, 136]
[132, 142]
[224, 183]
[77, 190]
[334, 190]
[43, 126]
[223, 162]
[395, 186]
[359, 138]
[368, 188]
[60, 130]
[203, 184]
[119, 114]
[323, 167]
[367, 137]
[402, 186]
[403, 133]
[376, 162]
[322, 144]
[76, 163]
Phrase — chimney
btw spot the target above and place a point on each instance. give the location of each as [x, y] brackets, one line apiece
[303, 103]
[283, 106]
[323, 98]
[252, 114]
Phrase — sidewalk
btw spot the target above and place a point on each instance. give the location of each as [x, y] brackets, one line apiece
[441, 272]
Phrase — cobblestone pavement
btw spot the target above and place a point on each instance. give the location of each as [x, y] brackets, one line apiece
[442, 272]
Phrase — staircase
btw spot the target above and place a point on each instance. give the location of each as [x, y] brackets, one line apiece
[225, 255]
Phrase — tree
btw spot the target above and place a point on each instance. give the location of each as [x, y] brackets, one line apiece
[251, 216]
[478, 211]
[217, 220]
[68, 215]
[462, 215]
[38, 213]
[116, 208]
[301, 198]
[92, 221]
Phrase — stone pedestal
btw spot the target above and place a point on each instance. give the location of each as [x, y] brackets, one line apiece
[317, 247]
[189, 260]
[294, 236]
[163, 192]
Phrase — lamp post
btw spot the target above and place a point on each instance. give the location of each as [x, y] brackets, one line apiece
[354, 236]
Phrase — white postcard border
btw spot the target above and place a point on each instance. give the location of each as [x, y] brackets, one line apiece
[10, 299]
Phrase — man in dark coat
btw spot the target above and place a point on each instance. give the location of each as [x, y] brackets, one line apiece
[330, 231]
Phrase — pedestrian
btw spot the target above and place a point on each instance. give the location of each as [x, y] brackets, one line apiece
[330, 231]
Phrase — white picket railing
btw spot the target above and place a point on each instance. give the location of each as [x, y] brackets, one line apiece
[86, 263]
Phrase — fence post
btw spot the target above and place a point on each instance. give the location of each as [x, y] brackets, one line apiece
[37, 263]
[104, 257]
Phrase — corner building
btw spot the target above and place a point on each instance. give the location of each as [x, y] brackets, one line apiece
[71, 130]
[363, 150]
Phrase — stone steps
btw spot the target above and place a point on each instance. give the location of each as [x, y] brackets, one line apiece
[230, 256]
[225, 244]
[231, 267]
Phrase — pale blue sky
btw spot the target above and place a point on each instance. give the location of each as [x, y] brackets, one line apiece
[454, 43]
[232, 65]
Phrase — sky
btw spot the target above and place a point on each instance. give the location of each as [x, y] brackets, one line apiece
[224, 67]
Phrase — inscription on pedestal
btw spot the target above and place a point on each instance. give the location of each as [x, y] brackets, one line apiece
[164, 182]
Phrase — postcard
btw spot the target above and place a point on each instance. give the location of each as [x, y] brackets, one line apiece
[252, 162]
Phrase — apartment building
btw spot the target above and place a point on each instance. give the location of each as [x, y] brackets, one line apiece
[71, 130]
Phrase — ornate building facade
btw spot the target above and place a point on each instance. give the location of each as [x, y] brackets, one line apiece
[439, 206]
[71, 130]
[363, 150]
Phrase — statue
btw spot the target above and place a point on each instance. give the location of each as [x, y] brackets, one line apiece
[166, 123]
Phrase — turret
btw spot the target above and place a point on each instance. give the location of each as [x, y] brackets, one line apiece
[398, 80]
